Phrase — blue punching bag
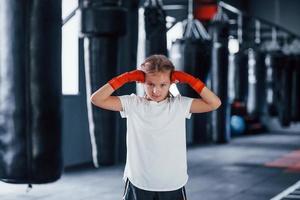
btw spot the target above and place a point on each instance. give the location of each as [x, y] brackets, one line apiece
[30, 85]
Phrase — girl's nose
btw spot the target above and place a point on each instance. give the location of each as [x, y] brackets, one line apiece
[155, 90]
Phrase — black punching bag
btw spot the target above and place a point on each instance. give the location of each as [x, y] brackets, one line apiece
[30, 86]
[284, 94]
[155, 28]
[240, 60]
[256, 82]
[196, 61]
[127, 62]
[295, 98]
[103, 23]
[219, 79]
[273, 60]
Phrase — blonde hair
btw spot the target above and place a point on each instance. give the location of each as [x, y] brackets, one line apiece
[157, 63]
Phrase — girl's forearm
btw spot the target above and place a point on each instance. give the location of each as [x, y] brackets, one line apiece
[183, 77]
[210, 98]
[207, 95]
[102, 93]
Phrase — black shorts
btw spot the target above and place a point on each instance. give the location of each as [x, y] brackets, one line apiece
[131, 192]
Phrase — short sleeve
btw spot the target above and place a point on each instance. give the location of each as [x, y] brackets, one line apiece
[185, 104]
[126, 101]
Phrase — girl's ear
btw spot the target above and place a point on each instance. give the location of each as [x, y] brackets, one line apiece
[171, 77]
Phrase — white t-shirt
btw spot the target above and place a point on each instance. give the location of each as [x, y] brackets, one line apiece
[156, 142]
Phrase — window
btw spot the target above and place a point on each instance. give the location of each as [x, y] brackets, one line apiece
[70, 30]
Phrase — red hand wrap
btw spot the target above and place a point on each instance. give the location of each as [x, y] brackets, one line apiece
[135, 75]
[182, 77]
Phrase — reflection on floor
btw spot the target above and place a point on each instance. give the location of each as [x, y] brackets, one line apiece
[249, 168]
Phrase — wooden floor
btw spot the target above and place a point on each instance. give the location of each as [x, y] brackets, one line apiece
[235, 171]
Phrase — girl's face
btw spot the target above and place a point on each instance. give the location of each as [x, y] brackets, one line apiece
[157, 85]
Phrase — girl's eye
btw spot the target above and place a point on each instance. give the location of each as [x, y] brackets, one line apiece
[163, 85]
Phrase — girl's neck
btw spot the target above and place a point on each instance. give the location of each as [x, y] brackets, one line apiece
[148, 99]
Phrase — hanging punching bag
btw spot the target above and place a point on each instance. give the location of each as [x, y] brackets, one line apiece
[273, 60]
[284, 91]
[193, 56]
[155, 28]
[103, 23]
[127, 62]
[256, 83]
[30, 86]
[240, 75]
[176, 54]
[295, 104]
[196, 61]
[219, 79]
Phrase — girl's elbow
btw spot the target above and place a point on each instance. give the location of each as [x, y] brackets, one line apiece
[217, 104]
[96, 101]
[93, 99]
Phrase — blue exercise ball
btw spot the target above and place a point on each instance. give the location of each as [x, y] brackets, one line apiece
[237, 125]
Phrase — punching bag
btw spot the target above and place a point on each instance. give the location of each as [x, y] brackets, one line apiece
[155, 28]
[220, 122]
[30, 86]
[103, 23]
[192, 55]
[273, 60]
[127, 62]
[196, 61]
[240, 71]
[279, 83]
[176, 54]
[256, 83]
[284, 90]
[295, 104]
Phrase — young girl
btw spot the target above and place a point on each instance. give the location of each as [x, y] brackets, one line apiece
[156, 165]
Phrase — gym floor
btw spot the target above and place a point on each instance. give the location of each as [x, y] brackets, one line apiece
[254, 167]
